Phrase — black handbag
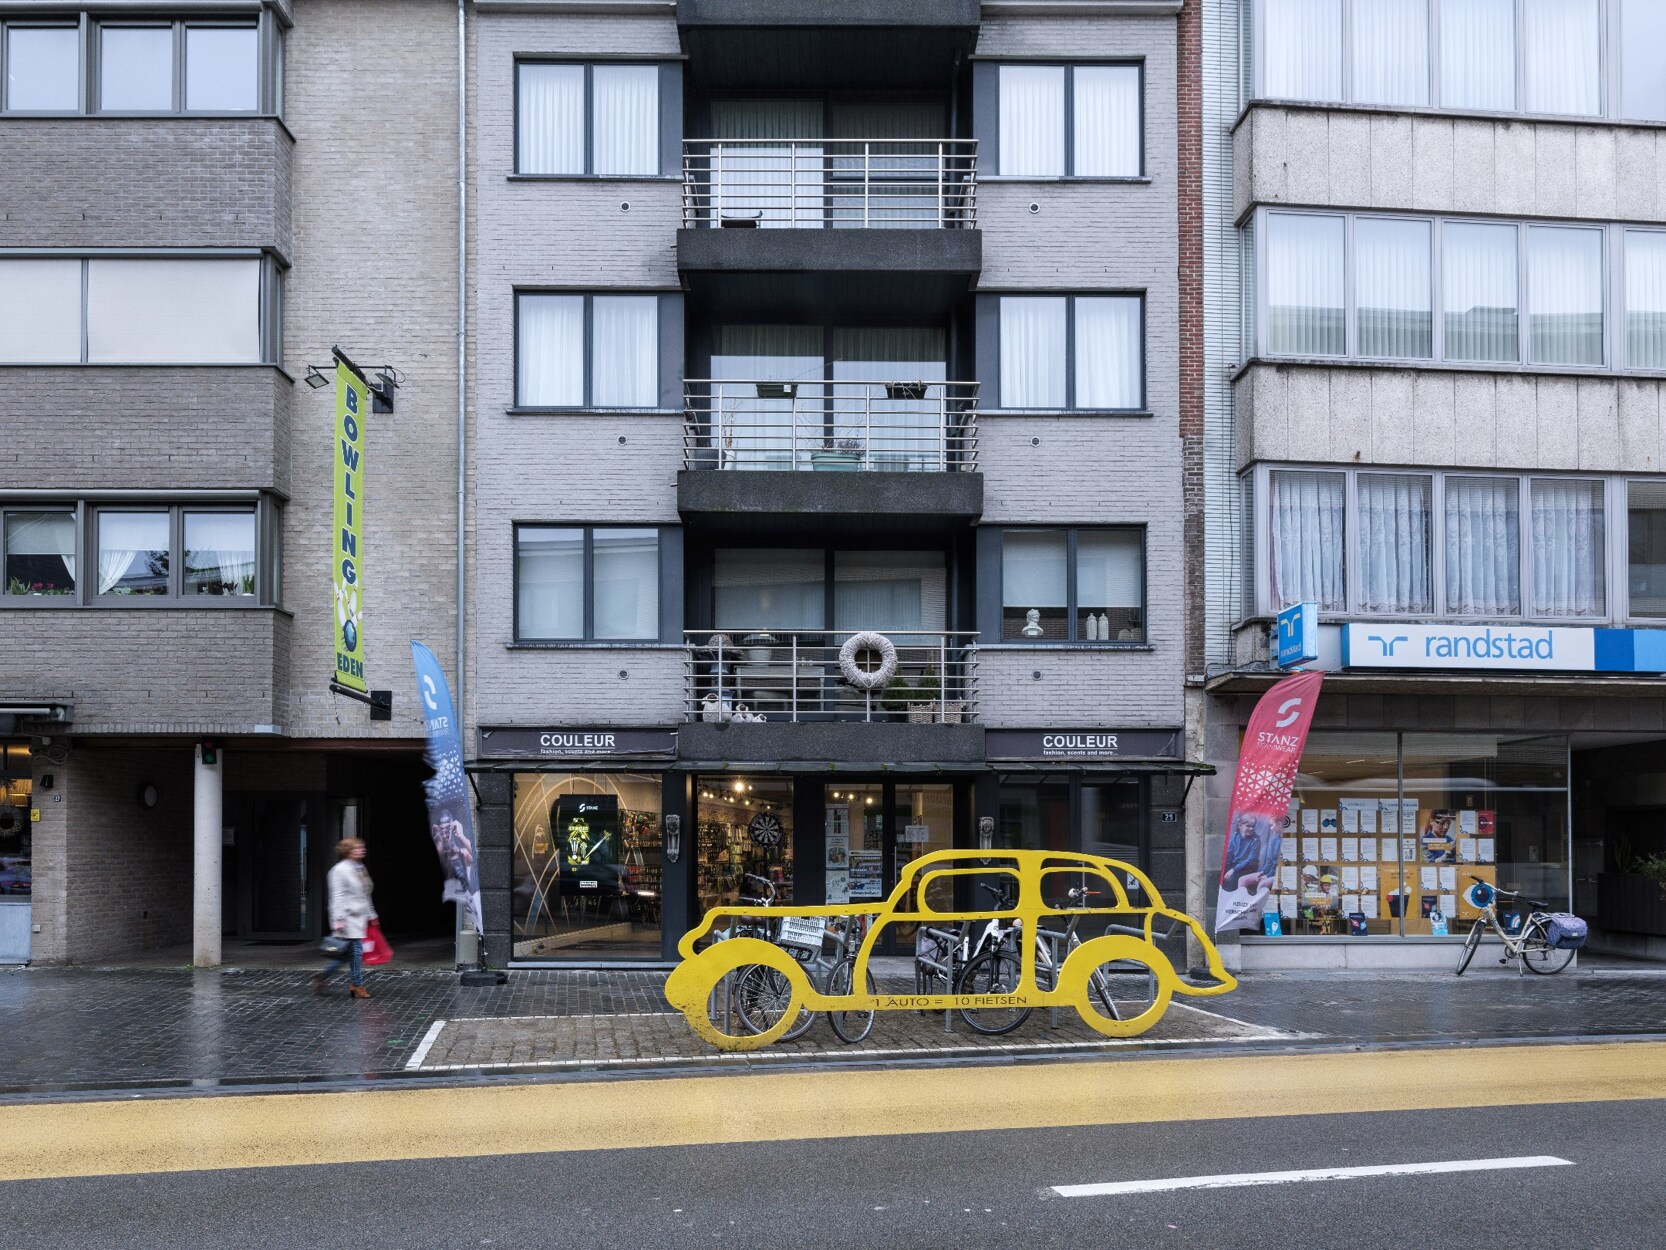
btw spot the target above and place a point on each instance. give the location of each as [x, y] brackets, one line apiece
[334, 946]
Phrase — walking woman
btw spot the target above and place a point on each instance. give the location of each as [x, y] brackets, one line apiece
[350, 911]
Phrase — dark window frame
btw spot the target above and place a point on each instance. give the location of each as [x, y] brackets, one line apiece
[1137, 64]
[1072, 575]
[588, 636]
[1070, 298]
[589, 66]
[589, 298]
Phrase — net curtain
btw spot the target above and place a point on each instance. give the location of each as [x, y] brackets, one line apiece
[1307, 530]
[1567, 548]
[1483, 546]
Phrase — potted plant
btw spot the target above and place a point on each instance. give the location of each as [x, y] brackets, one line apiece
[844, 456]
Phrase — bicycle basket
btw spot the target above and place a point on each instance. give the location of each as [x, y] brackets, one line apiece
[1566, 931]
[802, 932]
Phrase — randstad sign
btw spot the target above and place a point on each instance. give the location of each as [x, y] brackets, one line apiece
[1517, 648]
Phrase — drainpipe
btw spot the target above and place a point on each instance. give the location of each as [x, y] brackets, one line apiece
[462, 342]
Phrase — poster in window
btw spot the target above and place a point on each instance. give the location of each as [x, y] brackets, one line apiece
[1439, 839]
[865, 875]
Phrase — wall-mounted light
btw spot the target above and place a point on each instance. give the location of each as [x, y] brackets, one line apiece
[316, 378]
[673, 838]
[986, 832]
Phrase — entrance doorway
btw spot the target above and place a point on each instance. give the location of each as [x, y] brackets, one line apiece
[16, 853]
[872, 831]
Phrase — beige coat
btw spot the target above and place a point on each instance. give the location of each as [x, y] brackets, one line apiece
[350, 906]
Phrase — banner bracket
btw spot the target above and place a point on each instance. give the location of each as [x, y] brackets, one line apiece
[380, 701]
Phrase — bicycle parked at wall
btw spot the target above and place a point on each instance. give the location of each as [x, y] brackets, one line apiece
[1545, 942]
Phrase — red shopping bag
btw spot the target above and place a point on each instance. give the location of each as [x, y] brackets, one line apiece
[376, 948]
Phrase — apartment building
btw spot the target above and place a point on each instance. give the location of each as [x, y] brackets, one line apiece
[197, 204]
[1432, 390]
[826, 466]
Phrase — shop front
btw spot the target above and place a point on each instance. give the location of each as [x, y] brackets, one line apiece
[16, 851]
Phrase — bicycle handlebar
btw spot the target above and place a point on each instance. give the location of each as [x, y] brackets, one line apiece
[1538, 904]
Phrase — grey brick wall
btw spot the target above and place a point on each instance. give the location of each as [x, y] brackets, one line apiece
[579, 685]
[93, 428]
[1082, 688]
[145, 182]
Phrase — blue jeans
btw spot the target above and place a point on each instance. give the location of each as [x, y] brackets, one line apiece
[355, 956]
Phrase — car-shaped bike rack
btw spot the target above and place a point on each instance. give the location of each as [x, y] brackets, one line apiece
[694, 987]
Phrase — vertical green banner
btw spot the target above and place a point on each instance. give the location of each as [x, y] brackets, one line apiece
[352, 402]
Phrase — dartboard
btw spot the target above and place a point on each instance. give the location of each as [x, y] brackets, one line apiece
[765, 829]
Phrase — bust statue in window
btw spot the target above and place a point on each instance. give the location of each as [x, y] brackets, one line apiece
[1032, 623]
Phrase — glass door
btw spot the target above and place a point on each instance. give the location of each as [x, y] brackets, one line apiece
[872, 831]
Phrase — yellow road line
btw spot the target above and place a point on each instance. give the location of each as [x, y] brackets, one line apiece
[191, 1134]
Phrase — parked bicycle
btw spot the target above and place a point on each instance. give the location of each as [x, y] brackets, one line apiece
[826, 950]
[1545, 943]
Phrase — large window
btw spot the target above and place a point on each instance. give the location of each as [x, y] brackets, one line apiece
[1497, 56]
[577, 351]
[579, 583]
[587, 119]
[1365, 286]
[1393, 543]
[1073, 585]
[1073, 352]
[186, 310]
[137, 66]
[1646, 548]
[1070, 121]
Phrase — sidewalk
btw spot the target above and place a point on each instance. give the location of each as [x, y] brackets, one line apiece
[84, 1030]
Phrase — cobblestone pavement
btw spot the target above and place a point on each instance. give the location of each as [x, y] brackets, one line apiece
[104, 1029]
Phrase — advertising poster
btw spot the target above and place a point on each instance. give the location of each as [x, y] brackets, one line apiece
[1440, 844]
[586, 830]
[866, 875]
[1267, 764]
[347, 457]
[450, 820]
[837, 839]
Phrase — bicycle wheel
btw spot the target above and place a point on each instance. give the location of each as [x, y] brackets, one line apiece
[1537, 952]
[992, 973]
[763, 995]
[1470, 944]
[849, 1026]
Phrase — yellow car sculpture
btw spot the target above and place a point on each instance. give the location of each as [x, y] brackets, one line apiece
[1055, 970]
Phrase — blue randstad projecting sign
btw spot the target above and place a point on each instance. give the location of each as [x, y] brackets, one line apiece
[1513, 648]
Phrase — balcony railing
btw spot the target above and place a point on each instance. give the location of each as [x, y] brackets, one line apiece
[796, 675]
[817, 184]
[897, 427]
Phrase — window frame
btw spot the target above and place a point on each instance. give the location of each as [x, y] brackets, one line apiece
[589, 66]
[1254, 233]
[1256, 484]
[1068, 138]
[588, 314]
[1610, 66]
[89, 27]
[265, 508]
[1070, 298]
[588, 637]
[268, 304]
[1071, 576]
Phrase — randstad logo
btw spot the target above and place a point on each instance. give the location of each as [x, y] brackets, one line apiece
[1482, 644]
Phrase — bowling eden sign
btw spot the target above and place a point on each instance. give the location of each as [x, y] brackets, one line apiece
[352, 403]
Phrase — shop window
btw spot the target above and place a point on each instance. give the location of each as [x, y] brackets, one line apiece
[587, 865]
[587, 119]
[1073, 585]
[1386, 831]
[579, 583]
[16, 831]
[745, 837]
[577, 351]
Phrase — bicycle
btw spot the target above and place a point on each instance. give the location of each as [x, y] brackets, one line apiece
[826, 952]
[1531, 945]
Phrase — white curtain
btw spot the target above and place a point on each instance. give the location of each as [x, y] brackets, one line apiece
[885, 185]
[1109, 584]
[1034, 577]
[1483, 546]
[1568, 554]
[1106, 138]
[126, 538]
[1032, 351]
[549, 582]
[769, 588]
[626, 583]
[1642, 82]
[173, 311]
[1304, 284]
[1391, 51]
[1645, 299]
[1392, 288]
[772, 427]
[551, 121]
[1032, 120]
[775, 185]
[40, 311]
[902, 432]
[625, 345]
[1561, 54]
[625, 107]
[1564, 295]
[1478, 54]
[1307, 533]
[550, 353]
[1479, 292]
[1395, 529]
[219, 553]
[1109, 354]
[1301, 43]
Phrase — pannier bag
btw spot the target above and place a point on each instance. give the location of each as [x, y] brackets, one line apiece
[1567, 932]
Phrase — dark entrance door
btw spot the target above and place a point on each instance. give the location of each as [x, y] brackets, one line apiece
[276, 851]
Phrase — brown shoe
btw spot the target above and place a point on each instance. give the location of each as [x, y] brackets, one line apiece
[319, 981]
[358, 991]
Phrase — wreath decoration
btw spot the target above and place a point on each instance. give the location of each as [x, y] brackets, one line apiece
[10, 820]
[856, 661]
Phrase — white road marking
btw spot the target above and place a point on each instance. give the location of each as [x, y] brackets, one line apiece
[1234, 1179]
[428, 1039]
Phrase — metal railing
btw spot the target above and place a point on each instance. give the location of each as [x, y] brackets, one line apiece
[897, 427]
[816, 184]
[795, 675]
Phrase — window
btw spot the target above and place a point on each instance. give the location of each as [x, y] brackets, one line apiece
[71, 310]
[1364, 286]
[1381, 52]
[580, 583]
[1081, 121]
[1645, 299]
[802, 589]
[136, 69]
[587, 119]
[43, 69]
[219, 552]
[1386, 543]
[39, 552]
[1078, 352]
[1073, 585]
[575, 351]
[222, 69]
